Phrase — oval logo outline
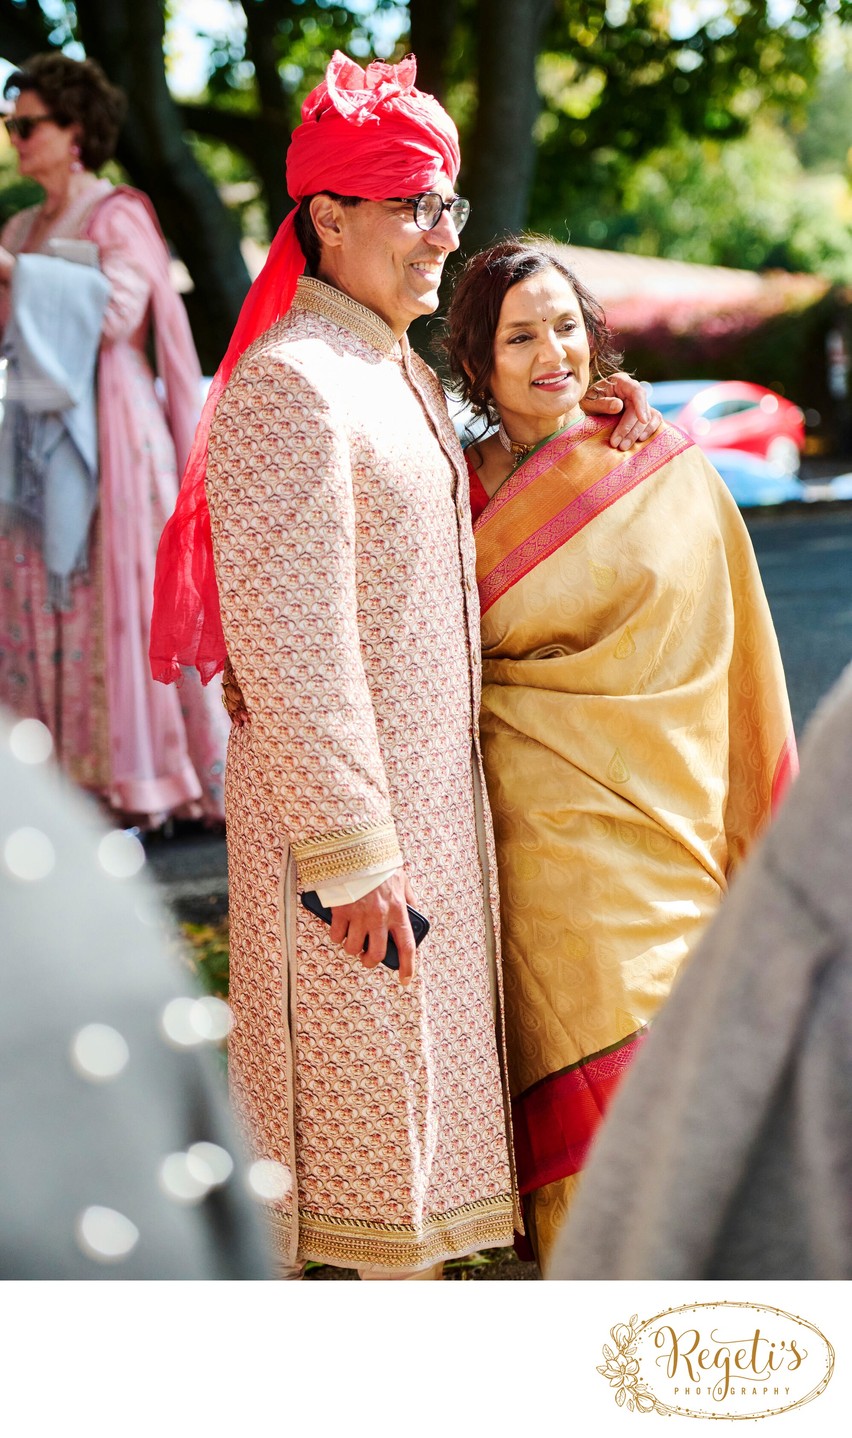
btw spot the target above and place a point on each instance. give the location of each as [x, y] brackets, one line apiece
[636, 1391]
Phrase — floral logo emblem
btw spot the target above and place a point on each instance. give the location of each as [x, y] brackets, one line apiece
[721, 1360]
[622, 1370]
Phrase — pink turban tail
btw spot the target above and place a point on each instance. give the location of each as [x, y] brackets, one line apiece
[368, 133]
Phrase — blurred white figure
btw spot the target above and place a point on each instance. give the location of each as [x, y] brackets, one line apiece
[118, 1157]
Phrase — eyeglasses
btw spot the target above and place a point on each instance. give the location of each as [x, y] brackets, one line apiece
[429, 208]
[25, 125]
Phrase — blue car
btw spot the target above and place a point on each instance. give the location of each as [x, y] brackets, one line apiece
[752, 481]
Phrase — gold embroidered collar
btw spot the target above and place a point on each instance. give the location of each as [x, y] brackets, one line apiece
[323, 299]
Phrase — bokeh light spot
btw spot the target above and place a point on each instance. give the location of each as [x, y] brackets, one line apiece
[187, 1022]
[176, 1023]
[148, 912]
[217, 1162]
[183, 1178]
[269, 1180]
[28, 854]
[213, 1018]
[106, 1235]
[120, 854]
[31, 741]
[99, 1052]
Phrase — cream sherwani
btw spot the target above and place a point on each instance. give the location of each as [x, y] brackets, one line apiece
[346, 570]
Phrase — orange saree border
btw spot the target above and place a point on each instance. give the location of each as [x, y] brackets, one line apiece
[528, 519]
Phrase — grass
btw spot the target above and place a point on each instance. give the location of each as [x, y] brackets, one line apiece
[492, 1263]
[206, 951]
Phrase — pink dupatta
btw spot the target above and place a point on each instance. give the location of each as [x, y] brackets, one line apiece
[160, 756]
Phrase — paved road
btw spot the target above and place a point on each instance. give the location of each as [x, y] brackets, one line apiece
[806, 564]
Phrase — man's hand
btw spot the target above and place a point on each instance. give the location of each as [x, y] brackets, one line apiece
[381, 912]
[621, 392]
[232, 696]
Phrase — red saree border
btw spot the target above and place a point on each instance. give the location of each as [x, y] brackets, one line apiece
[555, 1120]
[567, 522]
[785, 771]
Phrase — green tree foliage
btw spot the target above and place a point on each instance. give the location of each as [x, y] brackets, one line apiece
[256, 84]
[607, 82]
[824, 137]
[614, 75]
[618, 87]
[719, 204]
[251, 104]
[558, 102]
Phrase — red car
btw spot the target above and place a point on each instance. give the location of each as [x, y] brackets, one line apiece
[731, 414]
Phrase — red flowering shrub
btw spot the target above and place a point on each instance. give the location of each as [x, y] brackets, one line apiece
[775, 337]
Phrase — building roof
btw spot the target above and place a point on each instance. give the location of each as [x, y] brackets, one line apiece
[630, 286]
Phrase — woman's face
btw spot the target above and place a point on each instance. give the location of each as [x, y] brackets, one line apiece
[541, 357]
[48, 151]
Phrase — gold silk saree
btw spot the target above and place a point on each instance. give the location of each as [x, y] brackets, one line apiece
[636, 733]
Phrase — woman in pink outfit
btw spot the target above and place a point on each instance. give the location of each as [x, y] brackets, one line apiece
[81, 513]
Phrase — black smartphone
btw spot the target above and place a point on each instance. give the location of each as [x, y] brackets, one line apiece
[419, 925]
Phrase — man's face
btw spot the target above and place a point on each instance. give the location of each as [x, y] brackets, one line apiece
[386, 263]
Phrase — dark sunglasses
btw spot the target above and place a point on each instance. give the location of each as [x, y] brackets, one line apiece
[429, 208]
[25, 125]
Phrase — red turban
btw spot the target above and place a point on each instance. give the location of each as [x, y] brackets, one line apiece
[363, 132]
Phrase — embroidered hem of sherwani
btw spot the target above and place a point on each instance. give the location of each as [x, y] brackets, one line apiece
[346, 569]
[636, 731]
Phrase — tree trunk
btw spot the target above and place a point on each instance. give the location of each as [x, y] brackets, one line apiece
[500, 159]
[23, 31]
[278, 116]
[432, 25]
[127, 39]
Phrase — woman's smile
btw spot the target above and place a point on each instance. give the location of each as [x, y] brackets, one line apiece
[552, 381]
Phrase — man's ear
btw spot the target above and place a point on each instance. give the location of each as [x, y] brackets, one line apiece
[326, 215]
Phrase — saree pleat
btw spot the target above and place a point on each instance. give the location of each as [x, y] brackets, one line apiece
[636, 733]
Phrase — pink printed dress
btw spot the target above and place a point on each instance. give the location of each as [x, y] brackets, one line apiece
[146, 750]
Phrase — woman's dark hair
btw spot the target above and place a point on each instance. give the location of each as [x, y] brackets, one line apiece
[474, 314]
[75, 92]
[309, 240]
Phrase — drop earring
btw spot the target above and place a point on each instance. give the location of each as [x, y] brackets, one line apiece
[76, 162]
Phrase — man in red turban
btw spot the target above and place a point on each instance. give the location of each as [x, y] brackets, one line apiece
[344, 592]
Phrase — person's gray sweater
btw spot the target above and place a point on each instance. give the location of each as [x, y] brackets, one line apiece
[728, 1151]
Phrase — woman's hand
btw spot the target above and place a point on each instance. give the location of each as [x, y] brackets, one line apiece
[621, 392]
[7, 264]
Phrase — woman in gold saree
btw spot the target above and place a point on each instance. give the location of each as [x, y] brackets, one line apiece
[635, 723]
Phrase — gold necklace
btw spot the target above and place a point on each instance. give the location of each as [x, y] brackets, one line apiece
[512, 446]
